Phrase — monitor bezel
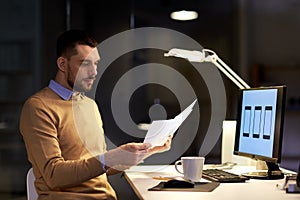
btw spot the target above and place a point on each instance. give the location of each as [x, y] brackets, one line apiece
[278, 130]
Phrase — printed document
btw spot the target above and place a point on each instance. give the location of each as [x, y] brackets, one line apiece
[160, 130]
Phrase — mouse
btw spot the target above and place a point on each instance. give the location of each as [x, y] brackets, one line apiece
[175, 183]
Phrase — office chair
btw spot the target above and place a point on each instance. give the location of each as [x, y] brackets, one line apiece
[298, 177]
[31, 192]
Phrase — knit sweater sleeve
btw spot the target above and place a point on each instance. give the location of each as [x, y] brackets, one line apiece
[39, 128]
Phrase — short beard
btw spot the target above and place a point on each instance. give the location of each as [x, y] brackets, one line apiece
[79, 88]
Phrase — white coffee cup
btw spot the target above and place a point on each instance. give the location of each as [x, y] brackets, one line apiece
[192, 167]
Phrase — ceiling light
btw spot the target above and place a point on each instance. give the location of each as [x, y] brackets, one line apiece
[184, 15]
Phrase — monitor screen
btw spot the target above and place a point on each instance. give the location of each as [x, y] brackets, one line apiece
[260, 124]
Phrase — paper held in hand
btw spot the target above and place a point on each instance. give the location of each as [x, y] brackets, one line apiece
[160, 130]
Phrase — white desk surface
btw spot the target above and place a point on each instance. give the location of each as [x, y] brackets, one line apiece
[141, 179]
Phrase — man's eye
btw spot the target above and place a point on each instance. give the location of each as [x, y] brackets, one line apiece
[85, 63]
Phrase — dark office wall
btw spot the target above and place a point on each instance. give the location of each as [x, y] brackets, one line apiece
[19, 76]
[52, 23]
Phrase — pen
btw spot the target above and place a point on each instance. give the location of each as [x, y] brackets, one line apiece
[161, 178]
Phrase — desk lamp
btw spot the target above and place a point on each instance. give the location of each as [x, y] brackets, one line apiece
[198, 56]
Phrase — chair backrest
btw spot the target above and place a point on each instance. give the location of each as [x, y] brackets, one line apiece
[31, 192]
[298, 176]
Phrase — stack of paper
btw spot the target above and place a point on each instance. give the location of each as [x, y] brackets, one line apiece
[160, 130]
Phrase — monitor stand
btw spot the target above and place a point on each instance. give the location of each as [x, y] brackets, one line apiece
[273, 172]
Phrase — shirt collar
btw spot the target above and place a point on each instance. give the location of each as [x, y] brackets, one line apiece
[60, 90]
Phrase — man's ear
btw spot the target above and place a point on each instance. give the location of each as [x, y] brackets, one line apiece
[61, 63]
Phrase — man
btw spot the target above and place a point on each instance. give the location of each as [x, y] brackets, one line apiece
[63, 134]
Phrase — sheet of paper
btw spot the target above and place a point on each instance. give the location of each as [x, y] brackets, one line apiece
[159, 130]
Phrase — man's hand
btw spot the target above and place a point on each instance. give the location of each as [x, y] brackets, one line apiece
[131, 154]
[160, 149]
[125, 156]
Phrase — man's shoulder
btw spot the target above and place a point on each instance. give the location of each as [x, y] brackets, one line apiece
[44, 92]
[43, 95]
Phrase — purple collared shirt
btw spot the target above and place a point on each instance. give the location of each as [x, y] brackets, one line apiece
[60, 90]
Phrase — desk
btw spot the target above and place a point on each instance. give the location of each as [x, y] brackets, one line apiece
[141, 179]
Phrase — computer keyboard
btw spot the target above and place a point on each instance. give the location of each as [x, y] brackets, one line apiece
[222, 176]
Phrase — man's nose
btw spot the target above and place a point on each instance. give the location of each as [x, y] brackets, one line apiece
[93, 70]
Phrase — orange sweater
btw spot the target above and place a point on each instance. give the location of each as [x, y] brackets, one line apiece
[63, 141]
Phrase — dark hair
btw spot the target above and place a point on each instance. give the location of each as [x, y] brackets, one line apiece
[67, 41]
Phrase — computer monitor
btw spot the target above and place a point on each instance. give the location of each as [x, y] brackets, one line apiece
[260, 128]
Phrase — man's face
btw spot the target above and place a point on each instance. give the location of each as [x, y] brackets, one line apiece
[82, 68]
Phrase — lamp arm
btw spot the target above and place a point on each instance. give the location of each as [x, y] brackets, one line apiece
[230, 74]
